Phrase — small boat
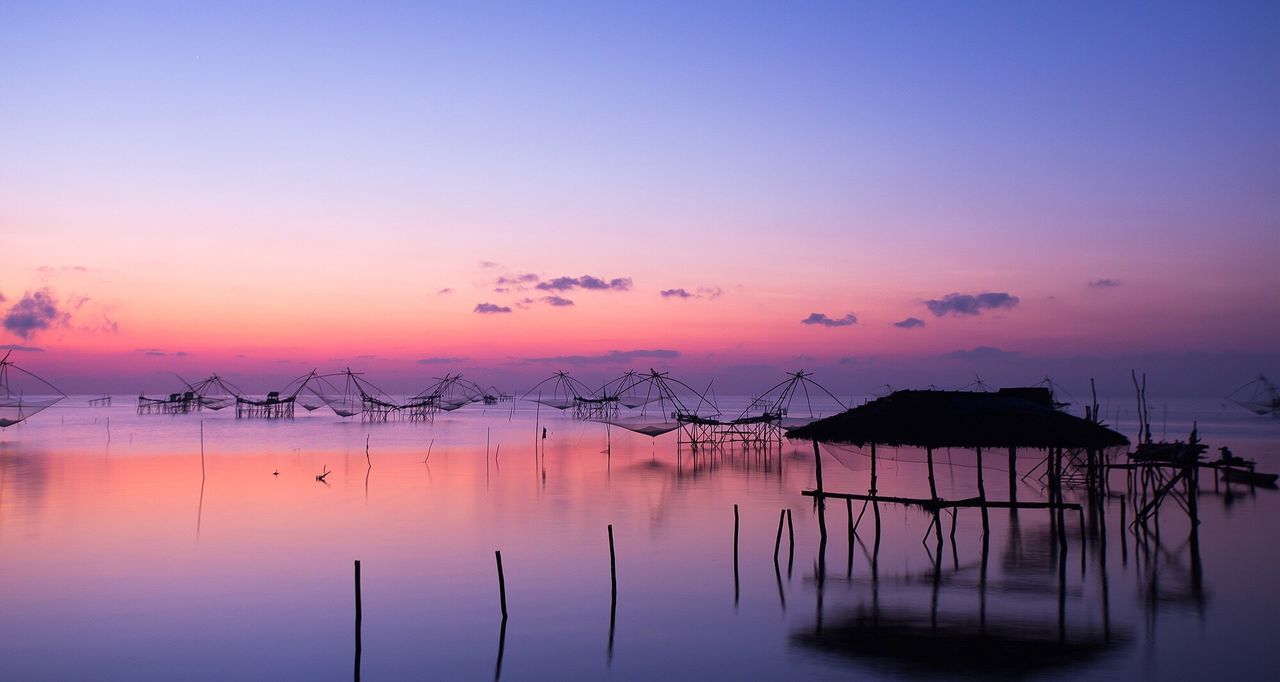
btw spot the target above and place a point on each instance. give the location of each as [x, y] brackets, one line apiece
[1249, 477]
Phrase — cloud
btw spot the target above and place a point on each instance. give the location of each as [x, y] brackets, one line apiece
[702, 292]
[1104, 283]
[446, 290]
[490, 308]
[821, 319]
[21, 349]
[618, 356]
[155, 353]
[441, 361]
[3, 298]
[981, 353]
[586, 282]
[968, 304]
[488, 264]
[34, 313]
[526, 278]
[909, 323]
[557, 301]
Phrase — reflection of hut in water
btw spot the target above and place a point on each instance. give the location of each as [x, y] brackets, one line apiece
[213, 393]
[906, 642]
[23, 394]
[763, 421]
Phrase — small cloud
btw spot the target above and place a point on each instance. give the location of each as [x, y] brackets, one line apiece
[909, 323]
[488, 264]
[441, 361]
[675, 293]
[968, 304]
[585, 282]
[21, 349]
[982, 353]
[613, 356]
[3, 298]
[1104, 283]
[557, 301]
[155, 353]
[526, 278]
[524, 303]
[710, 292]
[822, 320]
[444, 291]
[701, 292]
[34, 313]
[490, 308]
[182, 354]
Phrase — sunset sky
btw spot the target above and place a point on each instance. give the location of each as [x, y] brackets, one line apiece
[730, 189]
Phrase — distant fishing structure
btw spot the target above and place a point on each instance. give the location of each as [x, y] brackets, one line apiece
[1259, 396]
[23, 394]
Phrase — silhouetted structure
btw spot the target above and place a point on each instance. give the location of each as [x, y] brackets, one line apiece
[23, 394]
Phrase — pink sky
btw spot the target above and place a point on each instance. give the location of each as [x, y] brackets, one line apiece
[243, 193]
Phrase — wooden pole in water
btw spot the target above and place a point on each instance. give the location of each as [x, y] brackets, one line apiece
[933, 486]
[777, 543]
[502, 584]
[613, 565]
[873, 468]
[359, 617]
[735, 554]
[819, 498]
[982, 495]
[1013, 477]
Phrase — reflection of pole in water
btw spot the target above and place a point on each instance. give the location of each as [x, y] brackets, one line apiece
[735, 555]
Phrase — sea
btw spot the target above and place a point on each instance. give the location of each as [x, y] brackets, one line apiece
[204, 547]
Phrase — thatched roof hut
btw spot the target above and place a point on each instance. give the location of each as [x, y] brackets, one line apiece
[1008, 418]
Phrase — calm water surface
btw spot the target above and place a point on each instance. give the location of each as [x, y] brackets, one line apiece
[118, 560]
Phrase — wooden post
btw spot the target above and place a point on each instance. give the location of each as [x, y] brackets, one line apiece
[1013, 477]
[359, 617]
[873, 468]
[777, 543]
[613, 565]
[982, 495]
[502, 584]
[735, 554]
[822, 506]
[933, 486]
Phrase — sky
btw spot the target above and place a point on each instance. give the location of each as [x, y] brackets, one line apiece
[903, 193]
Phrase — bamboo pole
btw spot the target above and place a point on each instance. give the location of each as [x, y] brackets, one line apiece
[502, 584]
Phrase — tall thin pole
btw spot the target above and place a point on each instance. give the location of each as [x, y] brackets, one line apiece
[502, 584]
[359, 617]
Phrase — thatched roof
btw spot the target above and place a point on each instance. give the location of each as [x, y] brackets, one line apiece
[1011, 417]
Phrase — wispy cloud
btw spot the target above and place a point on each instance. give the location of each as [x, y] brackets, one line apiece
[21, 349]
[909, 323]
[490, 308]
[982, 353]
[586, 282]
[488, 264]
[701, 292]
[441, 361]
[526, 278]
[446, 290]
[613, 356]
[970, 304]
[558, 301]
[34, 313]
[822, 320]
[157, 353]
[1105, 283]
